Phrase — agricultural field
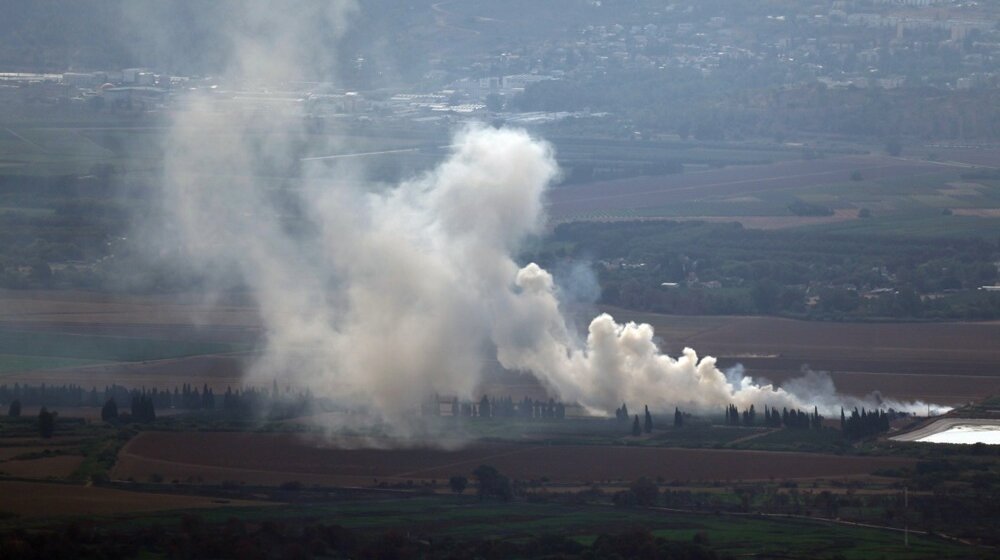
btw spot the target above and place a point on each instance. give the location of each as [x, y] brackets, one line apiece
[104, 348]
[55, 356]
[218, 372]
[96, 340]
[730, 186]
[985, 156]
[97, 311]
[462, 518]
[37, 148]
[28, 500]
[53, 467]
[281, 458]
[902, 196]
[464, 521]
[943, 363]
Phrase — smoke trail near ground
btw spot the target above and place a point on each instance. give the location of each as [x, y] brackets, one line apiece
[379, 299]
[622, 363]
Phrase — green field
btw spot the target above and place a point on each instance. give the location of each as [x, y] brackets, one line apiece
[17, 362]
[826, 440]
[467, 518]
[27, 350]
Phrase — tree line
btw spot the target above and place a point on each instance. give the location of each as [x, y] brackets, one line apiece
[794, 418]
[727, 269]
[143, 403]
[866, 423]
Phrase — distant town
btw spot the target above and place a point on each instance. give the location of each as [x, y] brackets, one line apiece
[940, 45]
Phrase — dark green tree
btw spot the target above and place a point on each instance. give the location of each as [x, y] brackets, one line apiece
[458, 484]
[766, 296]
[14, 410]
[636, 429]
[46, 423]
[645, 491]
[109, 411]
[648, 424]
[492, 483]
[143, 409]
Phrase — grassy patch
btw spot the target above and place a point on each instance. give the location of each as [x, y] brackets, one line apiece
[104, 348]
[16, 362]
[100, 455]
[826, 440]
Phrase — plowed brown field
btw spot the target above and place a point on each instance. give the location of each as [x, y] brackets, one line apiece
[59, 466]
[277, 458]
[31, 499]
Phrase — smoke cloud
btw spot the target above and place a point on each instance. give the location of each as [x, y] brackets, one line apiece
[381, 298]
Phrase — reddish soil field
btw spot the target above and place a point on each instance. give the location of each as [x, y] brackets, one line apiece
[60, 466]
[643, 192]
[30, 499]
[13, 451]
[277, 458]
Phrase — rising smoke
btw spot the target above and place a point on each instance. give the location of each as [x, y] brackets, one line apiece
[378, 298]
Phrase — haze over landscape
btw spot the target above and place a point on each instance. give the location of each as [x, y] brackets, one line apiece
[730, 268]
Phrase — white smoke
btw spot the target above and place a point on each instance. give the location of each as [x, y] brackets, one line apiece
[379, 300]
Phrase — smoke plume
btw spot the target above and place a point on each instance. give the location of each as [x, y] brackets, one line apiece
[380, 298]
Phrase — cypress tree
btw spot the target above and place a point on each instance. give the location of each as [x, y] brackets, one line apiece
[46, 423]
[648, 425]
[110, 410]
[636, 430]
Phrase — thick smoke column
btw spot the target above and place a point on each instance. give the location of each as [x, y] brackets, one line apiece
[379, 299]
[401, 294]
